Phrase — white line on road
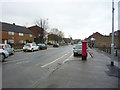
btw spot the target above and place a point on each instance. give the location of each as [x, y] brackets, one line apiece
[54, 61]
[67, 59]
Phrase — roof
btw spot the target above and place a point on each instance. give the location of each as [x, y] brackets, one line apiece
[94, 35]
[35, 26]
[14, 28]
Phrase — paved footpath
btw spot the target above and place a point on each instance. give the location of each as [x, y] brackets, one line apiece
[96, 72]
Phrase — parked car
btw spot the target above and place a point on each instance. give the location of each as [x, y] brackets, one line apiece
[42, 46]
[56, 45]
[7, 47]
[30, 47]
[77, 50]
[3, 54]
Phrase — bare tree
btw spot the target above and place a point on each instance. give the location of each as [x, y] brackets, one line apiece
[43, 23]
[56, 34]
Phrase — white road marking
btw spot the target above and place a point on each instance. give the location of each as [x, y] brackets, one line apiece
[54, 61]
[67, 59]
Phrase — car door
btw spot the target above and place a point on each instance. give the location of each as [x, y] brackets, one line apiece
[33, 45]
[36, 47]
[7, 49]
[10, 49]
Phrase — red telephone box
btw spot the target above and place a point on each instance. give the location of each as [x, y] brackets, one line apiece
[84, 50]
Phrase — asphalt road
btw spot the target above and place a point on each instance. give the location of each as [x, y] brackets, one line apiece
[26, 69]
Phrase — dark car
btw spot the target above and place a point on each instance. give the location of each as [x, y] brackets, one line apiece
[56, 45]
[42, 46]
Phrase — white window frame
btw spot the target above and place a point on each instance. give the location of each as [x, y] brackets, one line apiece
[10, 33]
[21, 34]
[21, 41]
[30, 35]
[11, 41]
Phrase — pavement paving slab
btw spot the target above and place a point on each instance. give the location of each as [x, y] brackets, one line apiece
[75, 73]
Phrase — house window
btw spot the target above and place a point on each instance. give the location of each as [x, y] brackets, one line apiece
[10, 33]
[11, 41]
[21, 41]
[30, 35]
[21, 34]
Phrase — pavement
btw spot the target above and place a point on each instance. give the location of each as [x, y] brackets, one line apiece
[95, 72]
[116, 58]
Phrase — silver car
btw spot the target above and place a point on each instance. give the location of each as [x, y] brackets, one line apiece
[3, 54]
[7, 48]
[77, 50]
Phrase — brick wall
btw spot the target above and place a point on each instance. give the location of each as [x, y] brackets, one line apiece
[105, 41]
[16, 37]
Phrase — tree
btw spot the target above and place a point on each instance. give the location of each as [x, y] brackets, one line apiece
[57, 32]
[42, 23]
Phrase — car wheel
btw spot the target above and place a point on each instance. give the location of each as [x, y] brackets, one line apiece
[2, 57]
[74, 54]
[12, 53]
[24, 50]
[32, 50]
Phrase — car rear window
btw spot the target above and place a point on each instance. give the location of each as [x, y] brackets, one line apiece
[78, 47]
[27, 45]
[43, 44]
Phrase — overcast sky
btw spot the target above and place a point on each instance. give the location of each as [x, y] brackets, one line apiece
[78, 18]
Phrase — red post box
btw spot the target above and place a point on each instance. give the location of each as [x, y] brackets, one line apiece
[84, 50]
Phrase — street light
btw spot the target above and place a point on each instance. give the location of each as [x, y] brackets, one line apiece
[112, 44]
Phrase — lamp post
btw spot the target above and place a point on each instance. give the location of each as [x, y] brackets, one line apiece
[112, 44]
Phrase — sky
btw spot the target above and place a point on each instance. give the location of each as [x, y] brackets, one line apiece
[76, 18]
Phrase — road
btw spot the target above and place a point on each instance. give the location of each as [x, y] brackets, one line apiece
[26, 69]
[58, 68]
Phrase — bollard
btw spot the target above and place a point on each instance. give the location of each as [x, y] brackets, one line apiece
[116, 53]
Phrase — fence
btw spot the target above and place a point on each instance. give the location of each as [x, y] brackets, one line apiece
[108, 50]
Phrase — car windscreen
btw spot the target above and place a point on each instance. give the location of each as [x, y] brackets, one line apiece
[78, 47]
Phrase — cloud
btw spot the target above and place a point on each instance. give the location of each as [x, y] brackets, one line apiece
[76, 18]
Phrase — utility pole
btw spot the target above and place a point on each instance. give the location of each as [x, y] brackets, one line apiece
[112, 44]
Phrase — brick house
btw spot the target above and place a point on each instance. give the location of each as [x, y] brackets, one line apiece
[38, 32]
[94, 35]
[102, 41]
[15, 34]
[105, 42]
